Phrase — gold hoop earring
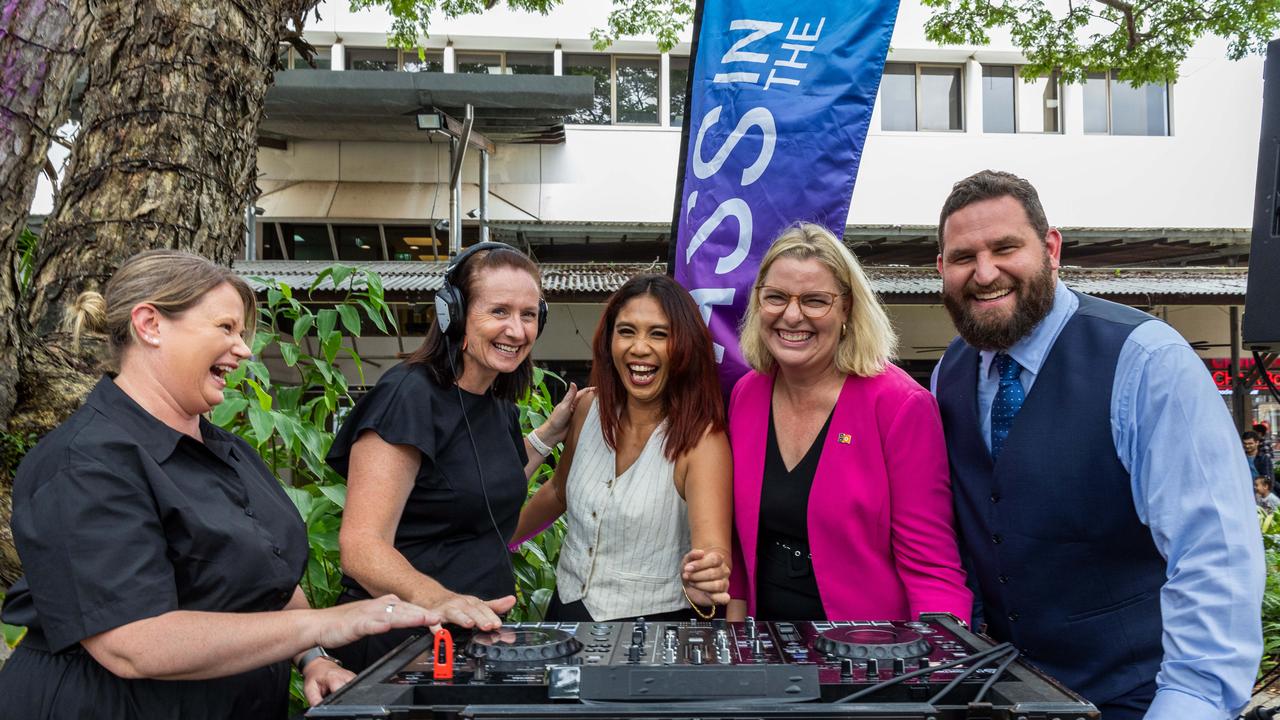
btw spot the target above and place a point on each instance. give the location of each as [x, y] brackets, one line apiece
[844, 329]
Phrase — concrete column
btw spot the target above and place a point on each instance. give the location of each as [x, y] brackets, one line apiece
[1072, 110]
[972, 97]
[557, 61]
[338, 56]
[484, 196]
[664, 90]
[450, 65]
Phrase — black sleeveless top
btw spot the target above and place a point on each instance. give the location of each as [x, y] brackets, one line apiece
[786, 587]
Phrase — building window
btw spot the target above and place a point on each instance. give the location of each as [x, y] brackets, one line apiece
[1113, 106]
[637, 90]
[414, 243]
[596, 67]
[921, 97]
[288, 58]
[1011, 103]
[305, 242]
[679, 84]
[530, 63]
[383, 59]
[478, 63]
[358, 242]
[422, 61]
[626, 89]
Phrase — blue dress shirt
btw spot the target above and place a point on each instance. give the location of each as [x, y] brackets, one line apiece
[1173, 434]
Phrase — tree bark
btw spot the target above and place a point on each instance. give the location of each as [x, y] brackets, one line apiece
[41, 46]
[166, 157]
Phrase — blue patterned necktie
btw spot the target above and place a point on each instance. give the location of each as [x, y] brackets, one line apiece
[1008, 402]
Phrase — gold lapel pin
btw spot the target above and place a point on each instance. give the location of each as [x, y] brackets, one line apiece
[844, 439]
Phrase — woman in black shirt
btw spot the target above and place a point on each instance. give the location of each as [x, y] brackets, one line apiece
[161, 557]
[436, 468]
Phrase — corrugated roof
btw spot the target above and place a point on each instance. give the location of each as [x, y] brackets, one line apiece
[593, 280]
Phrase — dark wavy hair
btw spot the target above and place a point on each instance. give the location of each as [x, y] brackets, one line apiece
[691, 401]
[990, 185]
[434, 352]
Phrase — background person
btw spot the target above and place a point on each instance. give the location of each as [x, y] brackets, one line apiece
[646, 472]
[1263, 496]
[1100, 498]
[1259, 463]
[435, 463]
[842, 508]
[162, 558]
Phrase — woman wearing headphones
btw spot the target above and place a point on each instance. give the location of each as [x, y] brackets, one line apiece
[435, 464]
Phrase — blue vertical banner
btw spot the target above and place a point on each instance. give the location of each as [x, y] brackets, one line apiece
[780, 97]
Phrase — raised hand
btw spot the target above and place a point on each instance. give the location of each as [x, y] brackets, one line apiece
[553, 431]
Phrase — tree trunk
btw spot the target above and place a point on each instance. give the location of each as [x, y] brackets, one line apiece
[41, 45]
[166, 157]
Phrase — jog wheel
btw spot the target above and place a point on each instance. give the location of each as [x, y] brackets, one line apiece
[880, 643]
[509, 648]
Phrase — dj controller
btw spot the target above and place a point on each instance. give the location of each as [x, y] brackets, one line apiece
[933, 669]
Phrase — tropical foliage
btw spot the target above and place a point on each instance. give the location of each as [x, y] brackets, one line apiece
[1270, 523]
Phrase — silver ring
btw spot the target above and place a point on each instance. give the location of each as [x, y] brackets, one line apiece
[390, 608]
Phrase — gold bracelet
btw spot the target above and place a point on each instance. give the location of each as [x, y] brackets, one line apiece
[705, 616]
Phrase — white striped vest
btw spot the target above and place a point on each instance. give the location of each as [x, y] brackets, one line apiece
[626, 535]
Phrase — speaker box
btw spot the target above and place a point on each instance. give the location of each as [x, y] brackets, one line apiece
[1261, 329]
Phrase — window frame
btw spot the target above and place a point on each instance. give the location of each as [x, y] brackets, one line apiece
[1109, 77]
[917, 91]
[1019, 85]
[613, 89]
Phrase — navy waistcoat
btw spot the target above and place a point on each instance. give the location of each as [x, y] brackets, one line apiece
[1065, 569]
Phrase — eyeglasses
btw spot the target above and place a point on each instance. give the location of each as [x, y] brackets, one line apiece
[814, 303]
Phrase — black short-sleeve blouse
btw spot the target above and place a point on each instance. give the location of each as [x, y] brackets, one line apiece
[117, 517]
[445, 531]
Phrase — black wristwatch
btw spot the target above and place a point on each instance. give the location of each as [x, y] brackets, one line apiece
[313, 654]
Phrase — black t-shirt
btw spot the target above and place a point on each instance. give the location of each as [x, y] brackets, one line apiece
[445, 531]
[118, 517]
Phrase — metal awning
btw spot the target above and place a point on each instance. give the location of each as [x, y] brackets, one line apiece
[381, 106]
[378, 201]
[592, 282]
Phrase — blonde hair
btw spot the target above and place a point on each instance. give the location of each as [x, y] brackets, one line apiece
[172, 281]
[867, 341]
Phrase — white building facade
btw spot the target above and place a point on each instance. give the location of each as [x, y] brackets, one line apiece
[1151, 177]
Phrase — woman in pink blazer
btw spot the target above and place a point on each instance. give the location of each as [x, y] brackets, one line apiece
[842, 499]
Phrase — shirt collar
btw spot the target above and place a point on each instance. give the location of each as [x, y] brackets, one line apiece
[157, 438]
[1031, 351]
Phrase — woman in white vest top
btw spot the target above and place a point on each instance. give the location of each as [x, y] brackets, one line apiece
[646, 476]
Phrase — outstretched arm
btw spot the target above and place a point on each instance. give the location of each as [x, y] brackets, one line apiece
[708, 493]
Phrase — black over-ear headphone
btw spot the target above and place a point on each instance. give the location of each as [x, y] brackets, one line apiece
[451, 306]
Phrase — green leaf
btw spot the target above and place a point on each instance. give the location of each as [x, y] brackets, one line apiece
[261, 340]
[326, 321]
[302, 500]
[261, 421]
[341, 273]
[330, 346]
[12, 634]
[303, 325]
[264, 400]
[290, 353]
[320, 278]
[336, 493]
[225, 412]
[350, 319]
[259, 372]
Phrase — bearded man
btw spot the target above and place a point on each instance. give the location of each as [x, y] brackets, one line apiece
[1101, 504]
